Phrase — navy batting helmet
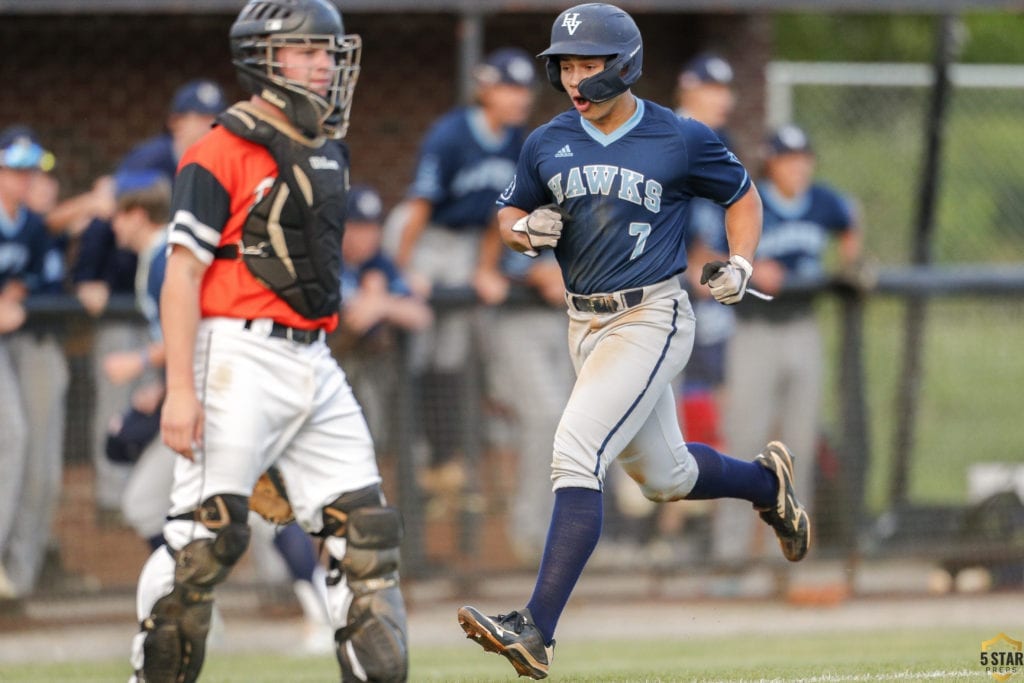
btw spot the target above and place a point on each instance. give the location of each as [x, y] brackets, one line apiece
[597, 30]
[265, 25]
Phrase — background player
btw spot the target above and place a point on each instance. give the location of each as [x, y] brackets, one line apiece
[466, 159]
[32, 373]
[607, 185]
[250, 381]
[775, 361]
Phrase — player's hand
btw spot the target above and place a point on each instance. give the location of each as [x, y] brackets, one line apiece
[181, 422]
[727, 281]
[490, 285]
[122, 367]
[93, 296]
[542, 227]
[12, 315]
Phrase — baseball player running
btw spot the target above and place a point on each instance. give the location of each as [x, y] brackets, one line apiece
[251, 288]
[607, 185]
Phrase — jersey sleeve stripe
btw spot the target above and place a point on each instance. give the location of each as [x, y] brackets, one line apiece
[741, 191]
[191, 233]
[204, 234]
[185, 238]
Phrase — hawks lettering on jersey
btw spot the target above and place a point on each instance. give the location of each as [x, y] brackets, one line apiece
[602, 179]
[628, 218]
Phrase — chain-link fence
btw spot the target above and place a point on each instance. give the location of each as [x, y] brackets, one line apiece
[866, 123]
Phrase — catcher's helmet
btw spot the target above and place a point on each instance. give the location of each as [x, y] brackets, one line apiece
[593, 30]
[265, 25]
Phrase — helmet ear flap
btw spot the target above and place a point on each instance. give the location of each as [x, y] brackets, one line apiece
[555, 72]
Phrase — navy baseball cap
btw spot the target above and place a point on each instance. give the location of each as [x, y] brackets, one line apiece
[706, 67]
[509, 65]
[128, 181]
[789, 139]
[200, 96]
[20, 150]
[364, 204]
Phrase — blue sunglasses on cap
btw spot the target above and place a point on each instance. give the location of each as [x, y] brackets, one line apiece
[25, 155]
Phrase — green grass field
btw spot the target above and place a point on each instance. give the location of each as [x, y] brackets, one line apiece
[918, 655]
[970, 398]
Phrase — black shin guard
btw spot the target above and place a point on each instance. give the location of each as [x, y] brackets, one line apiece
[175, 644]
[372, 645]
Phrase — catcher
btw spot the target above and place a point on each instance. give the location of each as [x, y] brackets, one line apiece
[251, 289]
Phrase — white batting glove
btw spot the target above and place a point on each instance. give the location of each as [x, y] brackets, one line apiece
[542, 227]
[727, 281]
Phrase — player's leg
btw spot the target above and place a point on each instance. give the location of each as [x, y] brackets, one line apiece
[331, 476]
[13, 452]
[110, 400]
[536, 386]
[801, 400]
[253, 402]
[147, 495]
[44, 379]
[755, 373]
[623, 362]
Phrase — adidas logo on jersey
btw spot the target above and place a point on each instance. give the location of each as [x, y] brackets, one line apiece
[564, 152]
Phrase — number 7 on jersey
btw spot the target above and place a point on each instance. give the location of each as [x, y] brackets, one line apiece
[640, 231]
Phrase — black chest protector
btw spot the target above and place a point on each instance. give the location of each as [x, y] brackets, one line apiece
[291, 239]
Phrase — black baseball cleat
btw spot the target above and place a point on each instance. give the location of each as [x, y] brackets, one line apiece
[788, 517]
[514, 636]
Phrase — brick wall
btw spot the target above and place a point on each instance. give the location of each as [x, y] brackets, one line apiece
[95, 85]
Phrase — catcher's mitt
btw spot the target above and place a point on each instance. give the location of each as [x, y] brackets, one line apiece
[270, 500]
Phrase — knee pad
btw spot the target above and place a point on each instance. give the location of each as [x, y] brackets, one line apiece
[372, 645]
[175, 644]
[206, 562]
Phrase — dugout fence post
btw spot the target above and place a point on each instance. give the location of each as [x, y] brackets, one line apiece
[855, 437]
[410, 499]
[907, 400]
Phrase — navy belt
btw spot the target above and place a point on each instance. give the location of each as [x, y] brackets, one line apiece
[291, 333]
[607, 303]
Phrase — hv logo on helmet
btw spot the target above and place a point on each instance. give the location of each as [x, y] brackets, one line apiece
[572, 22]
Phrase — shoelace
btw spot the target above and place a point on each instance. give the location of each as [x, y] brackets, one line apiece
[513, 621]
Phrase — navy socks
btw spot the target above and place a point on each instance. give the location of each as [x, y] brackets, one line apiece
[576, 526]
[720, 476]
[298, 552]
[573, 534]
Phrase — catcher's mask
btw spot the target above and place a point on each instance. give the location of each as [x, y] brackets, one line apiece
[263, 26]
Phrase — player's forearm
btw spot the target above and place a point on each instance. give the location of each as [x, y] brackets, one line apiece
[743, 224]
[507, 217]
[415, 223]
[179, 318]
[490, 247]
[408, 313]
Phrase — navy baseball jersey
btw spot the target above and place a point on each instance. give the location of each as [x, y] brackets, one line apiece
[99, 258]
[463, 166]
[351, 276]
[149, 279]
[796, 233]
[24, 244]
[627, 193]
